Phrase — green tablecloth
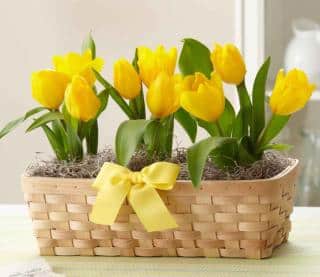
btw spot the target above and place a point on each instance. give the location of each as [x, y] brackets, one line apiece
[299, 257]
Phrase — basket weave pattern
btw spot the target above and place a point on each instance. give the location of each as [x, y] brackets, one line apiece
[245, 219]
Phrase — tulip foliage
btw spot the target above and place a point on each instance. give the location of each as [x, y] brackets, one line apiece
[195, 97]
[154, 72]
[241, 138]
[70, 104]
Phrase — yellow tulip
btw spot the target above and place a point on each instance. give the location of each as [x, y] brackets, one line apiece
[151, 63]
[163, 96]
[192, 82]
[78, 64]
[126, 79]
[81, 101]
[48, 87]
[203, 98]
[228, 63]
[291, 92]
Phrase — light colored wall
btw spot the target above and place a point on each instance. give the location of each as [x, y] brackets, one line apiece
[279, 15]
[34, 30]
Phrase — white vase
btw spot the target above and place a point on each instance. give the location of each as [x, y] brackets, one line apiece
[303, 51]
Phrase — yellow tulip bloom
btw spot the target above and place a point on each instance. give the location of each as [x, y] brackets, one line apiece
[203, 98]
[192, 82]
[228, 63]
[126, 79]
[48, 87]
[81, 101]
[291, 92]
[151, 63]
[78, 64]
[163, 96]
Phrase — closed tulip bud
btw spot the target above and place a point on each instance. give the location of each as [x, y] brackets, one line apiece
[126, 79]
[228, 63]
[151, 63]
[78, 64]
[203, 98]
[48, 87]
[81, 101]
[291, 92]
[163, 97]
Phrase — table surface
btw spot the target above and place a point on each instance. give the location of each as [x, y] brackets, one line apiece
[300, 256]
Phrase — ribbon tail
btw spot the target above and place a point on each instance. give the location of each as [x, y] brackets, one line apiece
[150, 209]
[108, 203]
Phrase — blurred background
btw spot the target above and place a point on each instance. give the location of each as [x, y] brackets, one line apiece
[35, 30]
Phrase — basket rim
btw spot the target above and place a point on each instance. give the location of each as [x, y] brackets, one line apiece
[285, 172]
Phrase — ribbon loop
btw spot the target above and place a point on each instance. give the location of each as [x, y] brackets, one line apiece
[114, 183]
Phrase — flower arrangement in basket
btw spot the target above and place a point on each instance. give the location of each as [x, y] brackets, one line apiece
[148, 212]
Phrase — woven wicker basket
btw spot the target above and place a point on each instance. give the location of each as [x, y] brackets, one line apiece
[245, 219]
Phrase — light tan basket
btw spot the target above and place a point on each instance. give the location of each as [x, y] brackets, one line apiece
[245, 219]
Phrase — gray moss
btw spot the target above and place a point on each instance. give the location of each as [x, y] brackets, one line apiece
[270, 165]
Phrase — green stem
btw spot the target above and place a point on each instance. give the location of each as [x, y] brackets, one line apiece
[115, 95]
[221, 132]
[141, 105]
[92, 138]
[134, 107]
[245, 107]
[170, 132]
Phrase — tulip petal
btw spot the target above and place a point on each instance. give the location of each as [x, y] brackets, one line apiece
[291, 92]
[151, 63]
[163, 96]
[78, 64]
[207, 103]
[126, 80]
[81, 101]
[48, 87]
[229, 63]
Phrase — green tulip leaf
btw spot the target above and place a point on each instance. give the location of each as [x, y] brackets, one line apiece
[277, 146]
[103, 97]
[158, 137]
[195, 57]
[187, 122]
[210, 127]
[56, 145]
[197, 155]
[60, 132]
[225, 156]
[246, 154]
[129, 136]
[227, 119]
[71, 121]
[11, 126]
[166, 136]
[258, 100]
[237, 129]
[74, 143]
[151, 137]
[138, 103]
[273, 128]
[44, 119]
[88, 43]
[15, 123]
[245, 109]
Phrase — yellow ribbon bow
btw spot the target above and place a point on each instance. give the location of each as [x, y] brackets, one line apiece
[114, 183]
